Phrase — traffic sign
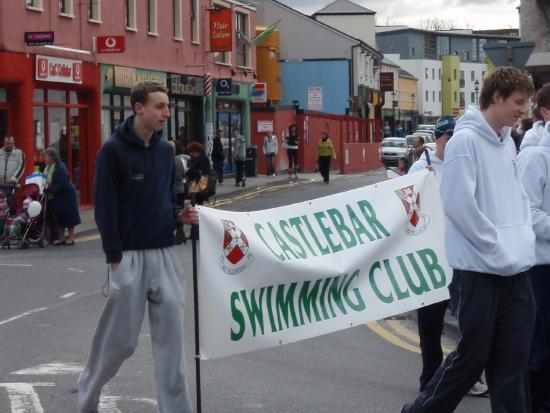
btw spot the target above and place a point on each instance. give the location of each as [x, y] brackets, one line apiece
[110, 44]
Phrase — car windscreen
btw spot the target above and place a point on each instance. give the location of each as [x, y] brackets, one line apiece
[394, 144]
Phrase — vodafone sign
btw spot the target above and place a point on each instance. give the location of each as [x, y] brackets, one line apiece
[110, 44]
[55, 69]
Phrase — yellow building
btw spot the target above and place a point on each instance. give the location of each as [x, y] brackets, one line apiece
[450, 85]
[407, 100]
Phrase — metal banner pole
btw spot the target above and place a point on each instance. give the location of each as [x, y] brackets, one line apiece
[194, 235]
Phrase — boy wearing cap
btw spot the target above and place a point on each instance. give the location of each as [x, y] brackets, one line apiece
[490, 245]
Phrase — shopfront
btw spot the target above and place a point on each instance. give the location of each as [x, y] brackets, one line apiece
[186, 108]
[52, 101]
[116, 84]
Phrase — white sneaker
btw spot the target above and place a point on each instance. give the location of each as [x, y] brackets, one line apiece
[479, 389]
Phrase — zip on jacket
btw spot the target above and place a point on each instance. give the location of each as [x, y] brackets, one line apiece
[488, 219]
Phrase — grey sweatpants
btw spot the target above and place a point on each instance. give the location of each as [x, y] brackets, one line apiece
[153, 276]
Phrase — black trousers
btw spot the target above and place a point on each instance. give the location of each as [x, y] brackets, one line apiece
[324, 167]
[539, 365]
[496, 321]
[218, 168]
[430, 329]
[292, 159]
[240, 172]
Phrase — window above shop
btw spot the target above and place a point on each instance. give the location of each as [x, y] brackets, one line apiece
[130, 15]
[94, 11]
[66, 8]
[242, 34]
[195, 37]
[35, 5]
[152, 17]
[176, 8]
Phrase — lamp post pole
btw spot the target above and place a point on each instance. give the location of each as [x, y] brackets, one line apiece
[394, 107]
[413, 112]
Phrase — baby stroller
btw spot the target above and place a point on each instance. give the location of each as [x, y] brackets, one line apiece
[30, 220]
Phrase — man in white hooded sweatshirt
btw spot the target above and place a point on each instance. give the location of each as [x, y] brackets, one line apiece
[490, 244]
[534, 171]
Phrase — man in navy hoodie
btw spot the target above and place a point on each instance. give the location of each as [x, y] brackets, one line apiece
[490, 244]
[136, 214]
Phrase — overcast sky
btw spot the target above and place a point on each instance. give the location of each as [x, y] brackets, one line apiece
[477, 14]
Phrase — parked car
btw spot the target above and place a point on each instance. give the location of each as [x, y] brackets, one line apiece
[392, 149]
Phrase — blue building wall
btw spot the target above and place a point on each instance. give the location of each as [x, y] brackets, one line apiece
[333, 76]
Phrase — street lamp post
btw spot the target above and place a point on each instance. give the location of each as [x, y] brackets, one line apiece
[476, 91]
[413, 112]
[394, 107]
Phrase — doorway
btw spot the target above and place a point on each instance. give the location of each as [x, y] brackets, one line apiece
[5, 122]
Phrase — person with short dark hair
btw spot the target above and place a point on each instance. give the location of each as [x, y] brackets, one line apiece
[197, 167]
[12, 166]
[218, 155]
[534, 170]
[136, 215]
[292, 143]
[490, 245]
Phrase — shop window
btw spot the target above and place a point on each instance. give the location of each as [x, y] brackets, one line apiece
[242, 33]
[195, 37]
[94, 10]
[57, 96]
[73, 97]
[38, 95]
[152, 17]
[176, 8]
[35, 5]
[130, 15]
[39, 135]
[66, 8]
[3, 95]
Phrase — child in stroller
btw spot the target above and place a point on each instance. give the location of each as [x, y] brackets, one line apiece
[4, 212]
[26, 227]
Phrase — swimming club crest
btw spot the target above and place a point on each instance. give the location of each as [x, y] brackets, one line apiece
[236, 251]
[417, 221]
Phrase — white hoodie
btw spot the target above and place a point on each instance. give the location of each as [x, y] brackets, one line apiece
[422, 163]
[534, 172]
[488, 214]
[532, 136]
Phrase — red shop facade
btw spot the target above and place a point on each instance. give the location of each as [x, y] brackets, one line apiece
[53, 101]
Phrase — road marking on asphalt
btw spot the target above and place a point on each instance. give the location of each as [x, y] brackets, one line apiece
[76, 270]
[17, 317]
[23, 397]
[392, 338]
[68, 295]
[51, 369]
[16, 265]
[415, 338]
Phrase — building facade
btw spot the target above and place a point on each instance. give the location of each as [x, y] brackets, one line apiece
[450, 66]
[534, 20]
[69, 96]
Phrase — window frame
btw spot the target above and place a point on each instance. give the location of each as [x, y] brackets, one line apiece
[69, 5]
[39, 6]
[152, 18]
[247, 48]
[195, 22]
[177, 20]
[130, 15]
[94, 6]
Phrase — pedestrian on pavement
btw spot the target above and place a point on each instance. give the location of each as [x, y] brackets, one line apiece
[136, 215]
[239, 156]
[271, 148]
[292, 143]
[325, 153]
[386, 130]
[198, 168]
[534, 171]
[180, 178]
[12, 166]
[490, 245]
[218, 155]
[62, 197]
[399, 132]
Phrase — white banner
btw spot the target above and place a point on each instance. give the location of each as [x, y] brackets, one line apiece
[282, 275]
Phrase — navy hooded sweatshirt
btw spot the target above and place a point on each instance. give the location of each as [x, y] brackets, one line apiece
[134, 193]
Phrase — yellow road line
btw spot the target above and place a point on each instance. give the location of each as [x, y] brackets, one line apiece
[392, 338]
[410, 335]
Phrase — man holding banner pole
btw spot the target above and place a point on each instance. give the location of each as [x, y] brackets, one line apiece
[490, 245]
[136, 215]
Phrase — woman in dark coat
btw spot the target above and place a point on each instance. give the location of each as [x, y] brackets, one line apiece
[61, 197]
